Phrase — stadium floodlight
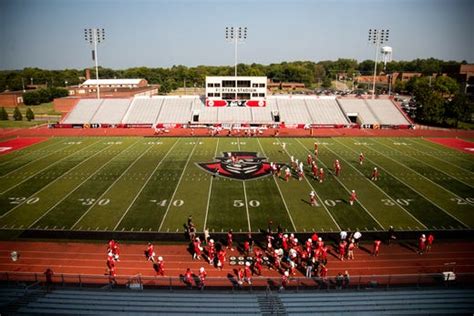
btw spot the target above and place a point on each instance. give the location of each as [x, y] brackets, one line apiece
[377, 38]
[95, 36]
[235, 35]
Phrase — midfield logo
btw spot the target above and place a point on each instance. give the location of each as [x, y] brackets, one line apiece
[239, 165]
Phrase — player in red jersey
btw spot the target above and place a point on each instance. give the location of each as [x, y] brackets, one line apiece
[248, 273]
[211, 251]
[197, 248]
[230, 237]
[337, 167]
[221, 258]
[285, 279]
[150, 253]
[188, 277]
[429, 242]
[321, 175]
[350, 250]
[422, 244]
[375, 251]
[375, 174]
[312, 198]
[287, 174]
[315, 170]
[202, 278]
[353, 197]
[316, 149]
[342, 249]
[361, 158]
[160, 267]
[309, 160]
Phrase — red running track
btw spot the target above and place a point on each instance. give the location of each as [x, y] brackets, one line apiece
[459, 144]
[90, 259]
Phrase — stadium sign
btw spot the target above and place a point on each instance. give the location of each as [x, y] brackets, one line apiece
[239, 165]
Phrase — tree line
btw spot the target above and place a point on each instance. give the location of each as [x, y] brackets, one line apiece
[310, 73]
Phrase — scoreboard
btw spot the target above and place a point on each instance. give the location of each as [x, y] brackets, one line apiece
[236, 91]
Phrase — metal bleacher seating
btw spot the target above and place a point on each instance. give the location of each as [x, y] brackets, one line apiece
[111, 111]
[387, 112]
[325, 111]
[139, 303]
[293, 111]
[176, 110]
[360, 107]
[83, 111]
[400, 301]
[143, 110]
[234, 115]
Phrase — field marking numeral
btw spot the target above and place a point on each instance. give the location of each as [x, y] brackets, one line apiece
[163, 203]
[461, 201]
[194, 143]
[331, 202]
[73, 143]
[18, 200]
[400, 144]
[241, 203]
[402, 202]
[241, 143]
[113, 143]
[90, 201]
[154, 143]
[362, 144]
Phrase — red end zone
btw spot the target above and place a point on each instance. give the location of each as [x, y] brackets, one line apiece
[18, 143]
[459, 144]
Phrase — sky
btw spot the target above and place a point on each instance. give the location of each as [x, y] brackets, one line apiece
[49, 34]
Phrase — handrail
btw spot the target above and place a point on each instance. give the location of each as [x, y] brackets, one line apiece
[260, 282]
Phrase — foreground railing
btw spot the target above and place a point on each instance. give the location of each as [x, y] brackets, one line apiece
[139, 282]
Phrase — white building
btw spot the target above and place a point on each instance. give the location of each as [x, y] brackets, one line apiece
[236, 91]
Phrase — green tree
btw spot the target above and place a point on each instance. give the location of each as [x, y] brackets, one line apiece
[326, 83]
[458, 109]
[446, 85]
[17, 116]
[3, 114]
[30, 115]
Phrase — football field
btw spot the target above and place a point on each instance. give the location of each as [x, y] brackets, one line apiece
[153, 184]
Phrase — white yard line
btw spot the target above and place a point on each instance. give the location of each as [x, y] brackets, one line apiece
[245, 196]
[380, 189]
[414, 190]
[48, 166]
[436, 184]
[317, 195]
[145, 184]
[210, 190]
[424, 162]
[55, 180]
[75, 188]
[177, 186]
[279, 190]
[344, 186]
[433, 156]
[110, 187]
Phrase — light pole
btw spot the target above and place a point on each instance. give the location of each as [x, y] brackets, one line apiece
[235, 35]
[95, 36]
[377, 38]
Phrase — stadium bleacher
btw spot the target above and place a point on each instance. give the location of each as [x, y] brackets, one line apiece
[111, 111]
[83, 111]
[386, 112]
[325, 111]
[143, 110]
[292, 110]
[359, 107]
[363, 302]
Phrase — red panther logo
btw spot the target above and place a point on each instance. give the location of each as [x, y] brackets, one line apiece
[239, 165]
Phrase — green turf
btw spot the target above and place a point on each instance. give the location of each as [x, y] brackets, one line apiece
[154, 184]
